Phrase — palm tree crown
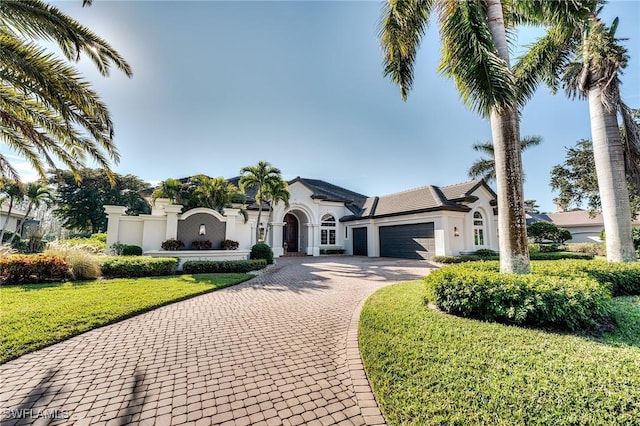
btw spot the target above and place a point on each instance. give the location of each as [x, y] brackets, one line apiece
[485, 168]
[48, 112]
[260, 178]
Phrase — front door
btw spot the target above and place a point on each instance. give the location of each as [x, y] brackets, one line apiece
[290, 233]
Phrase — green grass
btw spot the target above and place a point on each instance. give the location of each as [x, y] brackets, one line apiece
[428, 368]
[37, 315]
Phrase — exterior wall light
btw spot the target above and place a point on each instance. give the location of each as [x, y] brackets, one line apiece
[203, 229]
[455, 231]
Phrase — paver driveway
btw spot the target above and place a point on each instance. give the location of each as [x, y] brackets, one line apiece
[279, 349]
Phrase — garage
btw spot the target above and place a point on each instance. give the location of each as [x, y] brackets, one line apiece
[414, 241]
[360, 242]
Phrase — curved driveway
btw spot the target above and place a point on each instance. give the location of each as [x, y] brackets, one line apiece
[278, 349]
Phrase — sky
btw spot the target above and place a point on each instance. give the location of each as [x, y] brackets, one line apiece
[221, 85]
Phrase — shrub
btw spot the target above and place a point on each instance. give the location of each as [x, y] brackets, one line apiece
[84, 264]
[101, 236]
[552, 247]
[534, 248]
[35, 268]
[572, 303]
[172, 245]
[138, 266]
[201, 245]
[485, 253]
[88, 244]
[6, 250]
[455, 259]
[589, 248]
[229, 245]
[262, 251]
[332, 251]
[559, 256]
[223, 266]
[131, 250]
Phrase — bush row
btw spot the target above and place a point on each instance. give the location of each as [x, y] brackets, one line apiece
[571, 303]
[569, 294]
[20, 269]
[138, 266]
[532, 255]
[226, 266]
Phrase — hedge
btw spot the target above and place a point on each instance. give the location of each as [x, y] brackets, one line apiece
[532, 255]
[262, 251]
[35, 268]
[570, 303]
[138, 266]
[223, 266]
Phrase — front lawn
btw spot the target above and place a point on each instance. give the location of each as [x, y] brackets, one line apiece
[37, 315]
[429, 368]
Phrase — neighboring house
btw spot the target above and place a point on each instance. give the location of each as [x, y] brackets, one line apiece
[418, 223]
[16, 216]
[584, 228]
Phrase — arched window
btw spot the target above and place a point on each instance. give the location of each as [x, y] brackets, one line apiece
[478, 229]
[327, 230]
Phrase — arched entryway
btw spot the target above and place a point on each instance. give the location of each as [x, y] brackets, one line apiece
[291, 233]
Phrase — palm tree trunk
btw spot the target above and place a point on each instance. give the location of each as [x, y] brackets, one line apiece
[608, 153]
[6, 221]
[20, 224]
[505, 130]
[258, 222]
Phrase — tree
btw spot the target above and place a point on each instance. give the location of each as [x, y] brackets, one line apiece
[588, 59]
[214, 193]
[13, 193]
[169, 188]
[80, 204]
[546, 231]
[530, 206]
[277, 191]
[48, 112]
[36, 194]
[485, 168]
[259, 178]
[577, 183]
[475, 53]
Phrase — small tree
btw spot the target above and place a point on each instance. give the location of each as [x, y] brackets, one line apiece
[547, 231]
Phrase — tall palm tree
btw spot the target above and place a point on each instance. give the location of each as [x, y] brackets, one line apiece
[214, 193]
[586, 57]
[14, 194]
[485, 168]
[475, 53]
[169, 188]
[277, 191]
[259, 178]
[48, 112]
[36, 195]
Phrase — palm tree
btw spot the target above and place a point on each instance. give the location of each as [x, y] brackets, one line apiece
[485, 168]
[588, 59]
[169, 188]
[475, 53]
[48, 112]
[259, 178]
[214, 193]
[36, 195]
[276, 192]
[14, 193]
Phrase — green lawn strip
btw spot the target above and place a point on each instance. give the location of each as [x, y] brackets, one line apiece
[37, 315]
[429, 368]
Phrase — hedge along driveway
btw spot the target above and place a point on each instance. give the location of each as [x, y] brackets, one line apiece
[37, 315]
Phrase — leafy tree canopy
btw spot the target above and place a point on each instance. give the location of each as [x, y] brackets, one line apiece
[577, 183]
[80, 204]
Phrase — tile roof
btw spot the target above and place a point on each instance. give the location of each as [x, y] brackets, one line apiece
[571, 218]
[327, 191]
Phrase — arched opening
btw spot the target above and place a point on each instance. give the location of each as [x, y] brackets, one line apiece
[290, 233]
[478, 230]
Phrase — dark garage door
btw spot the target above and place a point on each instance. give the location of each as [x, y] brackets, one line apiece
[360, 242]
[416, 241]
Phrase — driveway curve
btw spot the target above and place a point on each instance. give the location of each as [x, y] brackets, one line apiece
[280, 349]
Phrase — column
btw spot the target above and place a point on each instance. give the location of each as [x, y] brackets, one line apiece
[172, 211]
[276, 237]
[114, 213]
[230, 228]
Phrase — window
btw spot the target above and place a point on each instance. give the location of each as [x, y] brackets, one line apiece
[478, 229]
[328, 230]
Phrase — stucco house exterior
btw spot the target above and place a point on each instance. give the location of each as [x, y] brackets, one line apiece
[15, 217]
[321, 217]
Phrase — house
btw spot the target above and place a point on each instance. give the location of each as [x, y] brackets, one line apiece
[584, 226]
[419, 223]
[15, 217]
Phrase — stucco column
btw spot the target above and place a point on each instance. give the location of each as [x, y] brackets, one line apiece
[373, 241]
[443, 236]
[114, 213]
[276, 237]
[230, 228]
[172, 211]
[313, 239]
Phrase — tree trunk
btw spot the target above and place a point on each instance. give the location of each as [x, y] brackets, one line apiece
[20, 224]
[258, 222]
[608, 153]
[6, 221]
[505, 130]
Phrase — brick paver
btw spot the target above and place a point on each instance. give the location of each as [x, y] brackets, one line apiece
[280, 349]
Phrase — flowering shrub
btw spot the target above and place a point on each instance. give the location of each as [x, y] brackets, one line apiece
[230, 245]
[19, 269]
[172, 245]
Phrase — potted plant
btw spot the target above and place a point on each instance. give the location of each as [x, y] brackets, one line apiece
[230, 245]
[201, 245]
[172, 245]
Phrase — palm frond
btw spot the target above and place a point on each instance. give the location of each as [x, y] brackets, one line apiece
[402, 26]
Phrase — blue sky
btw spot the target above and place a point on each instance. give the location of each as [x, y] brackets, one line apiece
[221, 85]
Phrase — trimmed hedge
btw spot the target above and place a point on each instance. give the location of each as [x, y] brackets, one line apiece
[262, 251]
[572, 303]
[223, 266]
[138, 266]
[332, 251]
[35, 268]
[131, 250]
[532, 255]
[560, 255]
